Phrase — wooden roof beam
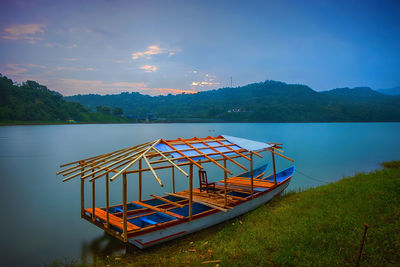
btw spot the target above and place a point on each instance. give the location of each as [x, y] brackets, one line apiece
[153, 171]
[170, 161]
[230, 148]
[206, 156]
[104, 161]
[180, 153]
[101, 169]
[223, 155]
[276, 153]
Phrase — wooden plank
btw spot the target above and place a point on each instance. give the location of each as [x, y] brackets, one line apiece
[152, 171]
[93, 199]
[82, 194]
[105, 168]
[140, 180]
[257, 154]
[107, 201]
[124, 207]
[180, 153]
[158, 209]
[225, 189]
[134, 161]
[206, 156]
[223, 155]
[180, 164]
[215, 139]
[150, 155]
[170, 161]
[114, 220]
[273, 164]
[168, 201]
[190, 191]
[101, 160]
[200, 202]
[240, 190]
[251, 175]
[246, 183]
[173, 180]
[276, 153]
[124, 157]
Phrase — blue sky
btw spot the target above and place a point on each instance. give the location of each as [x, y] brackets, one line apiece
[161, 47]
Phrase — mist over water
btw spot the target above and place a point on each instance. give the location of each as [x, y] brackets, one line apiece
[41, 214]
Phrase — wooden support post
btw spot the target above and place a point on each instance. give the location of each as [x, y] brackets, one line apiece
[107, 201]
[225, 189]
[140, 180]
[173, 179]
[362, 244]
[251, 175]
[93, 200]
[82, 193]
[190, 191]
[124, 206]
[273, 164]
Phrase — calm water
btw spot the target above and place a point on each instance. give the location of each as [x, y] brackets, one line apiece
[40, 219]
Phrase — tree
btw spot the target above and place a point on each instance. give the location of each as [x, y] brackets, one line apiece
[104, 110]
[118, 111]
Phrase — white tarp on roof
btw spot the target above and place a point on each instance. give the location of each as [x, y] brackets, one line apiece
[247, 144]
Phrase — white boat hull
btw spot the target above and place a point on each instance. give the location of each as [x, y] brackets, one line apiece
[159, 236]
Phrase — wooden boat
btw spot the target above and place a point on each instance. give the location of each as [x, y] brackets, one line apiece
[145, 223]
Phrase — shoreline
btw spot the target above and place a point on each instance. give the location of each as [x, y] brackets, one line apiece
[322, 226]
[36, 123]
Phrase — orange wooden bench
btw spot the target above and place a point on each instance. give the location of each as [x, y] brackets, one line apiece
[238, 181]
[113, 220]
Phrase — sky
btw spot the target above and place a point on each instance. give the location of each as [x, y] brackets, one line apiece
[162, 47]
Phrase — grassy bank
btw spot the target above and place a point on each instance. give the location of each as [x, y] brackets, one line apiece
[319, 226]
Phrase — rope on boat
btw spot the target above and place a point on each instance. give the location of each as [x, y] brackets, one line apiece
[312, 178]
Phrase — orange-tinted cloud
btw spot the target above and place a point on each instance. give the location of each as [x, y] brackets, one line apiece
[151, 51]
[27, 32]
[149, 68]
[14, 70]
[73, 86]
[207, 81]
[164, 91]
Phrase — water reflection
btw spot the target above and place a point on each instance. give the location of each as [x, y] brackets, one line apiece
[103, 246]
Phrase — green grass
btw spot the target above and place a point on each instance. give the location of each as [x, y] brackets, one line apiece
[320, 226]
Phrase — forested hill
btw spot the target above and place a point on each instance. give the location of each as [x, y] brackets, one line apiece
[268, 101]
[31, 101]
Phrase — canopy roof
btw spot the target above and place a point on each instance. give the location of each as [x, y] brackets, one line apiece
[174, 153]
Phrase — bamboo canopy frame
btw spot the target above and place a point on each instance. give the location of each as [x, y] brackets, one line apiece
[161, 154]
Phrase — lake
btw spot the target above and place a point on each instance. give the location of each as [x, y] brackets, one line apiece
[41, 214]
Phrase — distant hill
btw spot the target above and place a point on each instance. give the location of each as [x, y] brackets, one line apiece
[390, 91]
[31, 101]
[268, 101]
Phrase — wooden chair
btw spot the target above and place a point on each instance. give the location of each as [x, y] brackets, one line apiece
[204, 182]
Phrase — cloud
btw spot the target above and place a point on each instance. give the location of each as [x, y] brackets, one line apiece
[34, 66]
[206, 81]
[65, 68]
[14, 70]
[17, 69]
[163, 91]
[151, 51]
[74, 86]
[27, 32]
[148, 68]
[71, 59]
[61, 45]
[89, 69]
